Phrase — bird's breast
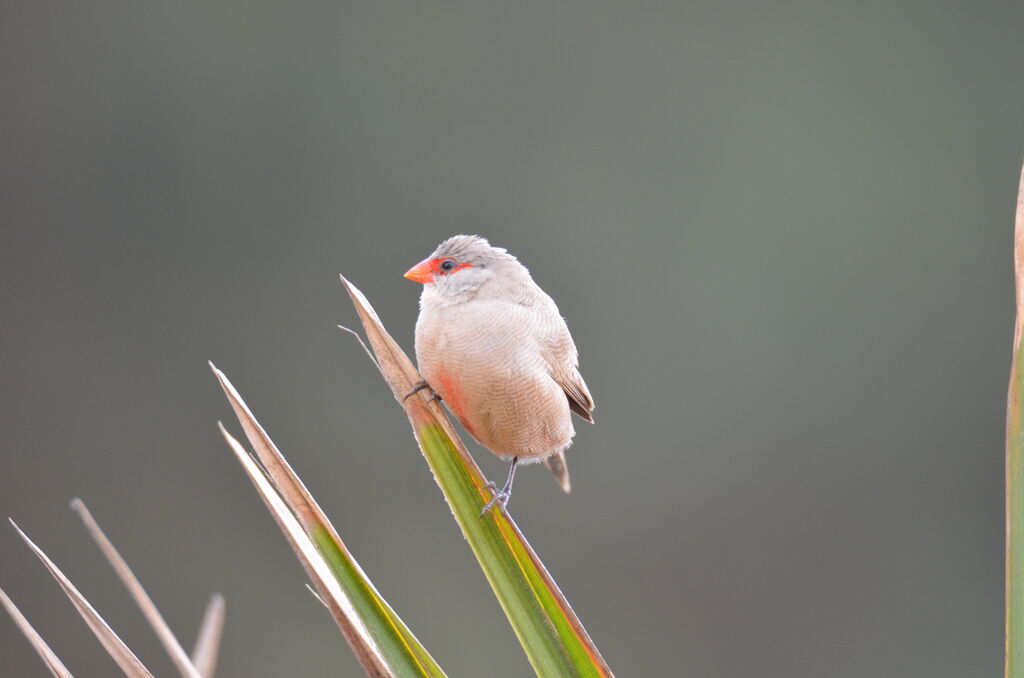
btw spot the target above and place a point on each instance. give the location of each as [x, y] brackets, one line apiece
[486, 364]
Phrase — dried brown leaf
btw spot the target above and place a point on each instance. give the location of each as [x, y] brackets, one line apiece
[142, 599]
[115, 647]
[207, 649]
[55, 665]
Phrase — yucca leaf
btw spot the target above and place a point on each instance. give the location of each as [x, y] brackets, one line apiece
[381, 641]
[207, 648]
[1015, 469]
[554, 640]
[51, 660]
[115, 647]
[142, 599]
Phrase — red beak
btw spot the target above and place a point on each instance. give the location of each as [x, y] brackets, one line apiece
[421, 272]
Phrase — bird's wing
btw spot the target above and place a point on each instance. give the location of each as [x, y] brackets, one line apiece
[560, 354]
[576, 391]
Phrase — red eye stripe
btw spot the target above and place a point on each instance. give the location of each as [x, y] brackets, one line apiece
[435, 266]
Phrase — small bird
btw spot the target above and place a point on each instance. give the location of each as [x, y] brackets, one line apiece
[493, 346]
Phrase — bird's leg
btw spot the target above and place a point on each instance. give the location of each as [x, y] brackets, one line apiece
[419, 386]
[502, 496]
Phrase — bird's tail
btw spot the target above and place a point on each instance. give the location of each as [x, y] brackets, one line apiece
[556, 463]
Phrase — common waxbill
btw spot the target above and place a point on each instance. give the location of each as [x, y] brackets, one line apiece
[493, 346]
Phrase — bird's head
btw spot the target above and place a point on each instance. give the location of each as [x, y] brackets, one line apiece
[460, 265]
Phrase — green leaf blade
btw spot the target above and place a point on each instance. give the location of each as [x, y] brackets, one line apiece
[554, 640]
[527, 594]
[390, 630]
[382, 643]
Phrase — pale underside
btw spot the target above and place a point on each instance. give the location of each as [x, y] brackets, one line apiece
[507, 371]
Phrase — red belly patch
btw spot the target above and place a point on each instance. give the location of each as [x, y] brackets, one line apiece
[451, 390]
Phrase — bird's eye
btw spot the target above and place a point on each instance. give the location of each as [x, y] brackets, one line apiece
[447, 265]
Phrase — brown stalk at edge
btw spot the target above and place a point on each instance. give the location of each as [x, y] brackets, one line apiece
[1014, 564]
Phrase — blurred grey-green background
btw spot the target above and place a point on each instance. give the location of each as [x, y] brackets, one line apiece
[780, 233]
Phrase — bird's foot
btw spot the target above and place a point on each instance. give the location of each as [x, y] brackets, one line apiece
[419, 386]
[499, 499]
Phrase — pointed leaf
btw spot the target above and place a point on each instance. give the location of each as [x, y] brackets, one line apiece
[555, 641]
[204, 655]
[114, 646]
[377, 635]
[142, 599]
[352, 626]
[55, 665]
